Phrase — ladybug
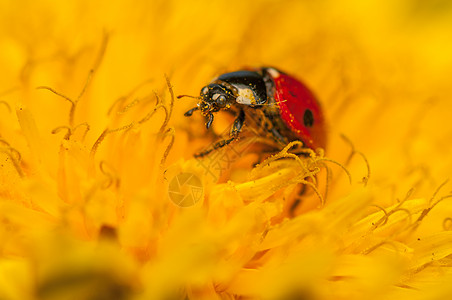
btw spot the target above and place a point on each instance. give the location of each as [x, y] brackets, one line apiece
[282, 106]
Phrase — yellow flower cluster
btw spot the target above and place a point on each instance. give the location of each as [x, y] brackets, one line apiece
[101, 198]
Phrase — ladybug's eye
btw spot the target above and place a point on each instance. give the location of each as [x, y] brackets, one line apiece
[219, 99]
[308, 118]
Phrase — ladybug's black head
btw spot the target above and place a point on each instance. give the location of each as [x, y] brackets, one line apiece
[214, 97]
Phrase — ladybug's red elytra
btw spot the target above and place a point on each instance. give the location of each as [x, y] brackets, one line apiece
[282, 104]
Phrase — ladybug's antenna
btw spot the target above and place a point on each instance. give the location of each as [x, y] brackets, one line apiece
[181, 96]
[209, 121]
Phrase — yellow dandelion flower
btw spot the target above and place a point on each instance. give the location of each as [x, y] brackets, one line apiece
[101, 197]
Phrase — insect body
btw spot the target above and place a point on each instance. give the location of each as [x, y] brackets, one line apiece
[286, 106]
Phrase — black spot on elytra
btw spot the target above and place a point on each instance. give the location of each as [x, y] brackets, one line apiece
[308, 118]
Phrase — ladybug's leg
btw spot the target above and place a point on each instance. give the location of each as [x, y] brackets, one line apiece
[238, 124]
[279, 136]
[190, 112]
[236, 128]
